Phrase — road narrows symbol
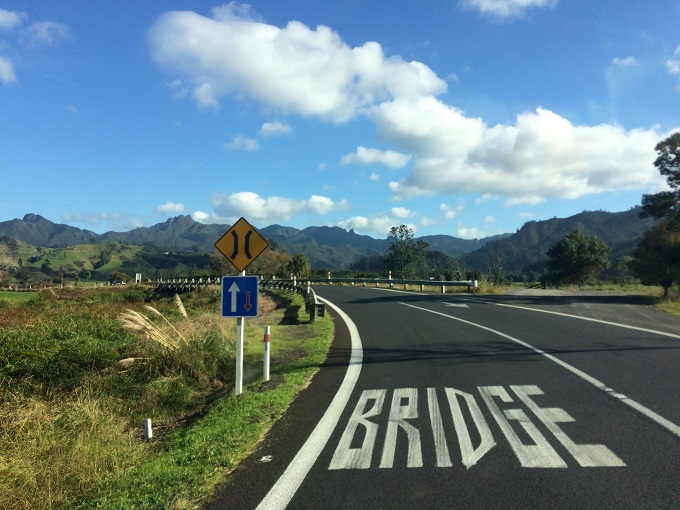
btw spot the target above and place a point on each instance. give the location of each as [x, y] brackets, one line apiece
[235, 253]
[247, 244]
[241, 244]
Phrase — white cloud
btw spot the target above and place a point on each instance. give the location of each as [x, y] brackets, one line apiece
[200, 217]
[93, 219]
[379, 225]
[7, 74]
[490, 219]
[402, 213]
[275, 128]
[673, 64]
[471, 233]
[426, 221]
[507, 8]
[525, 215]
[364, 156]
[170, 208]
[10, 20]
[624, 62]
[44, 33]
[242, 143]
[374, 177]
[272, 209]
[309, 72]
[541, 156]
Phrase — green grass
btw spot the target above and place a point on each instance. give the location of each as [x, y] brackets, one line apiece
[71, 416]
[12, 296]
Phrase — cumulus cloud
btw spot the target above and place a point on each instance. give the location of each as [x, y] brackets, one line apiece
[295, 69]
[45, 33]
[379, 224]
[242, 143]
[507, 8]
[200, 217]
[402, 213]
[9, 20]
[7, 74]
[275, 128]
[364, 156]
[271, 209]
[673, 64]
[470, 233]
[541, 156]
[170, 208]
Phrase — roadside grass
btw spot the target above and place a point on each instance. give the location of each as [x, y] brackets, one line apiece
[75, 387]
[6, 296]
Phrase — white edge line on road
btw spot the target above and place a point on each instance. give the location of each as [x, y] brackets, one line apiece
[288, 483]
[667, 424]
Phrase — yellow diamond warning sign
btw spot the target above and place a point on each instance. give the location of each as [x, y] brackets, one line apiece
[241, 244]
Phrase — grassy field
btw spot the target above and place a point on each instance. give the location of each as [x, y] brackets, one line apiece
[75, 387]
[12, 296]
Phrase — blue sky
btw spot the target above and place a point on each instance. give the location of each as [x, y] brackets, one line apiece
[458, 117]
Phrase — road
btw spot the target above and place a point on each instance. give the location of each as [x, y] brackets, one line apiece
[493, 402]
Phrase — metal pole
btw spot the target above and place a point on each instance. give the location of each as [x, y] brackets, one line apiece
[240, 333]
[267, 341]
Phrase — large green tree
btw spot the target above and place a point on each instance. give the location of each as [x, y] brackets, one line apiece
[405, 253]
[299, 265]
[666, 204]
[577, 258]
[656, 260]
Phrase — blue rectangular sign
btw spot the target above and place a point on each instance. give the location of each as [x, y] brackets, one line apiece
[239, 296]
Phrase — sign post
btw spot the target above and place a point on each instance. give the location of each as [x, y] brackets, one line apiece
[241, 245]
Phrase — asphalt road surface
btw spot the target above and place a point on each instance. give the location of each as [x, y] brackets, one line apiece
[489, 402]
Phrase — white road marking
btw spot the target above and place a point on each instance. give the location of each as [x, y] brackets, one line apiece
[457, 305]
[440, 447]
[346, 457]
[667, 424]
[469, 454]
[587, 455]
[288, 483]
[399, 413]
[538, 454]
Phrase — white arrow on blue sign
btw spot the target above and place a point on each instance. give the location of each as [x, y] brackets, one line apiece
[239, 296]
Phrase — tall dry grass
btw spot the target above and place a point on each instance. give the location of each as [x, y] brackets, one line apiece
[54, 452]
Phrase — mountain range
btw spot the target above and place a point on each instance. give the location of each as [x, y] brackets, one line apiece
[334, 248]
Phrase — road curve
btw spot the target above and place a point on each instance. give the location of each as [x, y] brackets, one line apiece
[442, 401]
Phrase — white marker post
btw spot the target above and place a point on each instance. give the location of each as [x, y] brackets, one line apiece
[148, 432]
[267, 341]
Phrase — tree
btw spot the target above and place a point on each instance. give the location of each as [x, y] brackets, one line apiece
[577, 258]
[299, 265]
[666, 204]
[496, 272]
[270, 262]
[656, 260]
[405, 253]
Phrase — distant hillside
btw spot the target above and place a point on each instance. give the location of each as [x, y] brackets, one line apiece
[526, 249]
[335, 249]
[37, 231]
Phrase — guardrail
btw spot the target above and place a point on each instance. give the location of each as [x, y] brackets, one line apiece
[470, 284]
